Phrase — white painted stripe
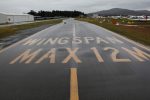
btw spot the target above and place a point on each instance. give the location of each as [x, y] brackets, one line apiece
[74, 30]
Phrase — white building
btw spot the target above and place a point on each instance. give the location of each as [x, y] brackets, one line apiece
[14, 18]
[95, 16]
[139, 18]
[116, 17]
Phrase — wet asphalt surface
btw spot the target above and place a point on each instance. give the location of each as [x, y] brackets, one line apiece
[5, 42]
[107, 80]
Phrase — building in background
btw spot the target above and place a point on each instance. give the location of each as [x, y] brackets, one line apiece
[139, 18]
[15, 18]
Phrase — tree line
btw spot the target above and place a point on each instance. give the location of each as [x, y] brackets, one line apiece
[56, 13]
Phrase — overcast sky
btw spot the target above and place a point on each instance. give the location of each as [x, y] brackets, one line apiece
[23, 6]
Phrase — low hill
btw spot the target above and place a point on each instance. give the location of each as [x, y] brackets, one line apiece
[123, 12]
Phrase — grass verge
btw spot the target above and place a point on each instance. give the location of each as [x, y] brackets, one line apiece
[11, 30]
[140, 33]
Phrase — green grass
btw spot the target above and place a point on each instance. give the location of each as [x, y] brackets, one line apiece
[139, 33]
[11, 30]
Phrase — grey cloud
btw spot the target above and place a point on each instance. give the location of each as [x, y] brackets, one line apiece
[20, 6]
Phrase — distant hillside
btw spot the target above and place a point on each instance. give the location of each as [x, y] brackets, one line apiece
[123, 12]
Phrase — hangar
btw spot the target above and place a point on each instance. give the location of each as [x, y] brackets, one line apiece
[15, 18]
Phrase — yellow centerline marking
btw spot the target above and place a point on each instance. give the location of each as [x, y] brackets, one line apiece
[74, 85]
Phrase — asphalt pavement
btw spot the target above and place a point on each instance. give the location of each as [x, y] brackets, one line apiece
[75, 61]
